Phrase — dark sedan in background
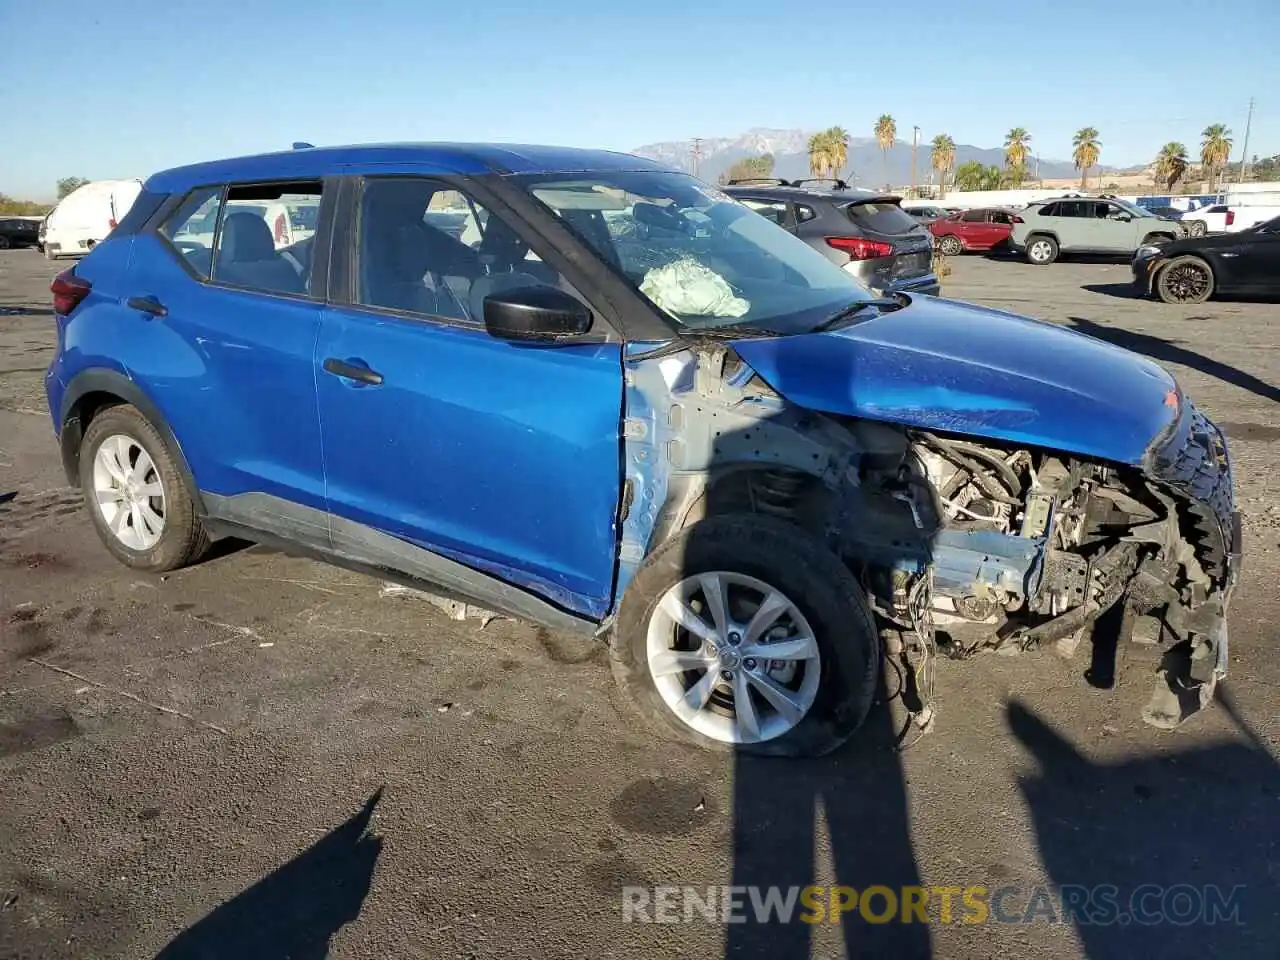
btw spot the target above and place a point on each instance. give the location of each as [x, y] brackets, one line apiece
[1193, 269]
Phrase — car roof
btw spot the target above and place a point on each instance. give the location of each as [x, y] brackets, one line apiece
[773, 190]
[446, 159]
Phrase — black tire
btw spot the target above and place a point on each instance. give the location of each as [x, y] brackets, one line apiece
[950, 246]
[1038, 242]
[792, 561]
[4, 242]
[1185, 280]
[183, 539]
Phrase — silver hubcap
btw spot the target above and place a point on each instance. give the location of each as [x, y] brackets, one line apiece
[1040, 250]
[128, 492]
[733, 658]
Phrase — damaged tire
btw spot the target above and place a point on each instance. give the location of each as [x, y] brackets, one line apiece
[745, 633]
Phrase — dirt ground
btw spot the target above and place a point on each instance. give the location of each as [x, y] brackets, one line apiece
[261, 756]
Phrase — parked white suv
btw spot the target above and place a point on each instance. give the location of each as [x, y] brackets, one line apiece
[1049, 228]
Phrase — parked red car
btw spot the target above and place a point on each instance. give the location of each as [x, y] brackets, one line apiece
[981, 229]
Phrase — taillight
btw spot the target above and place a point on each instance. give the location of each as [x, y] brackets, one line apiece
[859, 248]
[68, 290]
[1231, 217]
[111, 224]
[1018, 220]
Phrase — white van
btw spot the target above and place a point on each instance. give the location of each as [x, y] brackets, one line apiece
[86, 215]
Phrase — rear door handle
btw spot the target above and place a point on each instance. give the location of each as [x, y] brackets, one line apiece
[350, 370]
[148, 305]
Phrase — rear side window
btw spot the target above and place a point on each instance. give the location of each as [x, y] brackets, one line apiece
[881, 217]
[190, 228]
[260, 244]
[774, 210]
[804, 213]
[974, 216]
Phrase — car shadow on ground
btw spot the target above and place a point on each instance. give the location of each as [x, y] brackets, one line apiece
[295, 910]
[1172, 351]
[1125, 291]
[1170, 856]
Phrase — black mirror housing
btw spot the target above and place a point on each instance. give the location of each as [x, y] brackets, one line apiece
[535, 314]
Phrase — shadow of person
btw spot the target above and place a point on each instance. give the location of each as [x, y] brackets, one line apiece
[859, 793]
[1166, 856]
[853, 802]
[1170, 351]
[293, 911]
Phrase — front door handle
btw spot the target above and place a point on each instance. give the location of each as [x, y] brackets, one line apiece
[350, 370]
[148, 305]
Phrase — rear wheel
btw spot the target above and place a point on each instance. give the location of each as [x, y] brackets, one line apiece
[950, 246]
[4, 242]
[1185, 280]
[1196, 228]
[139, 503]
[1042, 251]
[745, 633]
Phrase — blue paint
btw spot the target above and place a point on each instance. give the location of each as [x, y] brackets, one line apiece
[953, 367]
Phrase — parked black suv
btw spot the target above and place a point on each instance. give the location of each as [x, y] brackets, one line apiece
[868, 234]
[18, 232]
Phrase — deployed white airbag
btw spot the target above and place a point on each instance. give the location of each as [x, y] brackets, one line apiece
[686, 288]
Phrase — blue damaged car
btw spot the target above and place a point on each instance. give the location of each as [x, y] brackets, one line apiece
[582, 389]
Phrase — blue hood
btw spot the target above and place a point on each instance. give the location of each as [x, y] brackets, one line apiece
[956, 368]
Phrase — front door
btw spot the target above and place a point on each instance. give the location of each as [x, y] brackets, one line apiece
[498, 455]
[1255, 259]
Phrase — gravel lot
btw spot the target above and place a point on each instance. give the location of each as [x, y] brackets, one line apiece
[262, 756]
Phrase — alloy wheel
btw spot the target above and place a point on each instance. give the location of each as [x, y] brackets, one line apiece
[1039, 251]
[733, 657]
[1186, 282]
[128, 493]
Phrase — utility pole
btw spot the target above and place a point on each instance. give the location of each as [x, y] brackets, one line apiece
[697, 154]
[915, 142]
[1244, 154]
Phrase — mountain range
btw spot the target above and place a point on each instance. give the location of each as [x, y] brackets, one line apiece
[866, 165]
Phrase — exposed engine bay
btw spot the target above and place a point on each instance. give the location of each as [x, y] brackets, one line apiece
[1023, 547]
[963, 544]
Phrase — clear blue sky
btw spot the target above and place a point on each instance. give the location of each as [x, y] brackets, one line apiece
[127, 87]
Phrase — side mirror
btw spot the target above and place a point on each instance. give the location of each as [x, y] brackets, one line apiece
[1125, 218]
[535, 315]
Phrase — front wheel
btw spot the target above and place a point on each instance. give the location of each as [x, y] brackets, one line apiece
[1185, 280]
[950, 246]
[745, 633]
[1042, 251]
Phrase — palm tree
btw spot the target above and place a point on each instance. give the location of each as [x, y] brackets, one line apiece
[838, 144]
[886, 135]
[1171, 164]
[820, 158]
[942, 157]
[1016, 148]
[1085, 154]
[969, 175]
[1215, 149]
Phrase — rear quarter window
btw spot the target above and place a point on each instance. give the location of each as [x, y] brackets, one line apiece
[881, 217]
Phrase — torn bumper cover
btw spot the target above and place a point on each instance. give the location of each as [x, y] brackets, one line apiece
[1194, 577]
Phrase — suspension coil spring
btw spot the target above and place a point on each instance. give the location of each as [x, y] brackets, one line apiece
[777, 492]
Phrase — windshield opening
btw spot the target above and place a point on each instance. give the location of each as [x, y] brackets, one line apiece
[697, 254]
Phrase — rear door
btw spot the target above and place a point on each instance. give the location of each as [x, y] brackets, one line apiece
[228, 330]
[498, 455]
